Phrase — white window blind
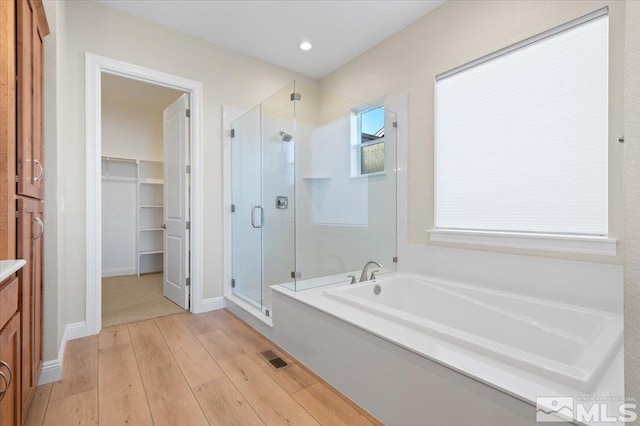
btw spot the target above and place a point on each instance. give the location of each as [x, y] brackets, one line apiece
[521, 136]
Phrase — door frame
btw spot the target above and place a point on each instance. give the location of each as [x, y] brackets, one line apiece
[95, 66]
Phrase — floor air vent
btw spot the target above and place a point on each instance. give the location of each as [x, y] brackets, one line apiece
[273, 359]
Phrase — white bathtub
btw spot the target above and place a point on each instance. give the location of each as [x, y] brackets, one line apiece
[567, 344]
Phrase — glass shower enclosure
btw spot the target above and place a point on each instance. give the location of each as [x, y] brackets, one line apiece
[313, 178]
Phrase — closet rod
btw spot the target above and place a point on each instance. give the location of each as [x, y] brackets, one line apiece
[122, 160]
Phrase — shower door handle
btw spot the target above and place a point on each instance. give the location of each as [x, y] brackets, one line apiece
[253, 217]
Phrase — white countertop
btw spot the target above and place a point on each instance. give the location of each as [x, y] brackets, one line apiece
[10, 267]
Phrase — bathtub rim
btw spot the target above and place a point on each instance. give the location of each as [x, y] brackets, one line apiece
[506, 378]
[578, 375]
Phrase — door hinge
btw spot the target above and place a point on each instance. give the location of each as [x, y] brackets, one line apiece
[188, 225]
[395, 260]
[267, 312]
[16, 178]
[16, 214]
[296, 96]
[188, 281]
[233, 133]
[233, 208]
[188, 113]
[296, 274]
[233, 283]
[395, 124]
[188, 169]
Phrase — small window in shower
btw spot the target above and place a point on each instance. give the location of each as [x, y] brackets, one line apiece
[368, 143]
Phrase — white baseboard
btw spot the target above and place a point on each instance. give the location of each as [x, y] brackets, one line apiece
[115, 272]
[76, 330]
[211, 304]
[52, 370]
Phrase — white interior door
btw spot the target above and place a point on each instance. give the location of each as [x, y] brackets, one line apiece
[176, 202]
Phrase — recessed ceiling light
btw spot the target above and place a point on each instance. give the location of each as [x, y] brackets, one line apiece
[306, 45]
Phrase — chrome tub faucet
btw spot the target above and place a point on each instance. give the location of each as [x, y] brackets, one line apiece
[363, 276]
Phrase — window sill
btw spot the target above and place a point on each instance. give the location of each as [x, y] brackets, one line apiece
[368, 175]
[602, 246]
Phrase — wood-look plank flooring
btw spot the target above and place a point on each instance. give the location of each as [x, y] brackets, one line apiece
[186, 369]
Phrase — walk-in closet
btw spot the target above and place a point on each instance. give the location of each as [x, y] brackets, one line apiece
[133, 200]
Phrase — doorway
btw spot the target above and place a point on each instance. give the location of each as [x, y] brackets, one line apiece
[142, 125]
[167, 194]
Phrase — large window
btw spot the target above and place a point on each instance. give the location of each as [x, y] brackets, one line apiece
[521, 136]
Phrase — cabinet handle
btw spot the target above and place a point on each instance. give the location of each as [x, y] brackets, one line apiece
[6, 386]
[37, 178]
[7, 382]
[4, 364]
[39, 222]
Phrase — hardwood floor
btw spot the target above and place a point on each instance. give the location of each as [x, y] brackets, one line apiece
[186, 369]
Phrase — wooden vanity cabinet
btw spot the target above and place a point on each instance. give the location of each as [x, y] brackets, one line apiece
[23, 28]
[30, 58]
[10, 349]
[30, 248]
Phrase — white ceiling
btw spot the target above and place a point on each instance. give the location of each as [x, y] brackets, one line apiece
[121, 89]
[272, 30]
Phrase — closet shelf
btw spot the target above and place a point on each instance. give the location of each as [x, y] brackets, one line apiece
[108, 178]
[119, 160]
[142, 253]
[150, 214]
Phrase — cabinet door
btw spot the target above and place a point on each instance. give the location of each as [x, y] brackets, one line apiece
[30, 235]
[10, 369]
[29, 94]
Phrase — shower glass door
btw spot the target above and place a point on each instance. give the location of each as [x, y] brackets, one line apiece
[278, 171]
[246, 195]
[262, 181]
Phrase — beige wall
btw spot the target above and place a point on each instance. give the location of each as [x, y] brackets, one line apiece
[632, 200]
[228, 79]
[54, 307]
[131, 131]
[455, 33]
